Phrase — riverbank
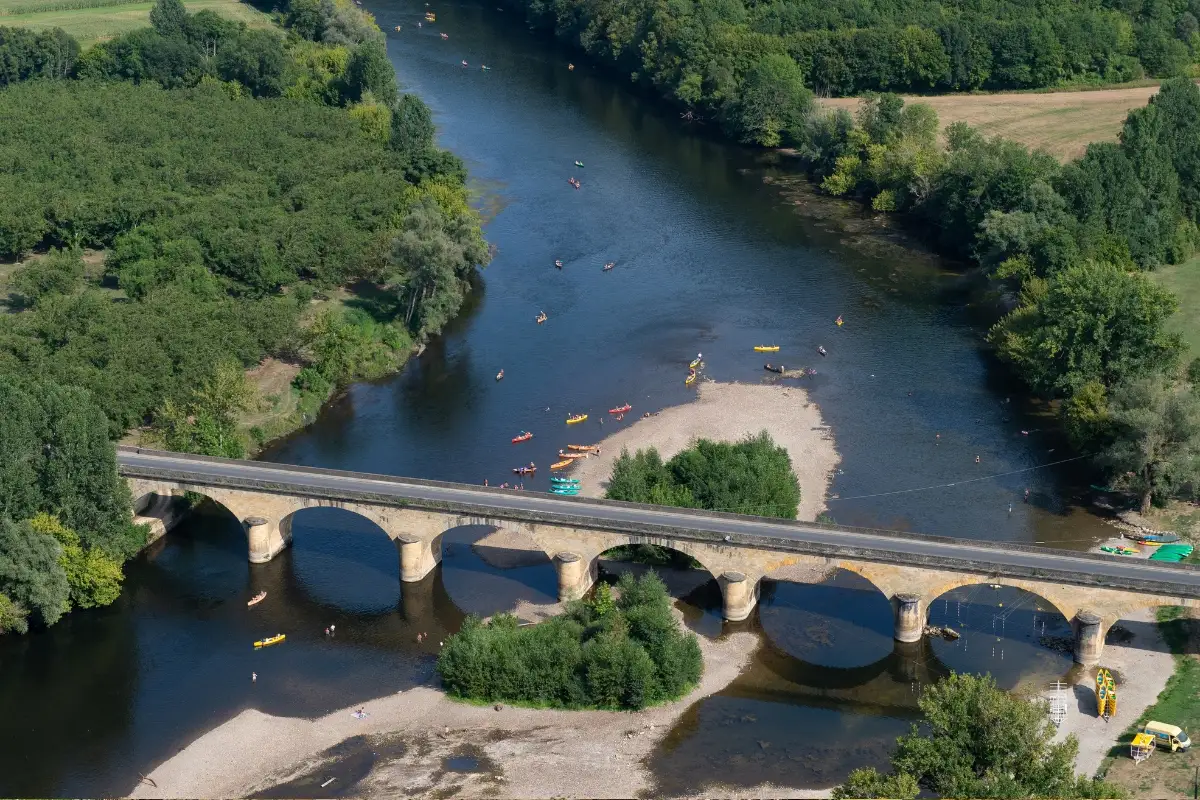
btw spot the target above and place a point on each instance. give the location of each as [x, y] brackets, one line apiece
[728, 412]
[426, 739]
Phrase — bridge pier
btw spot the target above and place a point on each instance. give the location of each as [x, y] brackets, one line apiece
[266, 539]
[417, 557]
[910, 617]
[739, 594]
[1089, 638]
[574, 576]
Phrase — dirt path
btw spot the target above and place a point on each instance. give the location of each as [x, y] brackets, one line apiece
[729, 412]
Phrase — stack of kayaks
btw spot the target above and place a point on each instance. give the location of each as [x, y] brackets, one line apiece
[1117, 550]
[567, 486]
[1172, 552]
[1153, 539]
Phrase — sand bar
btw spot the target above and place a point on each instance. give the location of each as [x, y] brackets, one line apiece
[728, 412]
[528, 752]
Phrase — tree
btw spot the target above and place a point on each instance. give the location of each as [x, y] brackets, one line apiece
[168, 17]
[55, 457]
[981, 742]
[59, 272]
[753, 476]
[208, 423]
[93, 578]
[1092, 322]
[13, 616]
[1155, 428]
[370, 70]
[256, 60]
[412, 125]
[772, 101]
[30, 573]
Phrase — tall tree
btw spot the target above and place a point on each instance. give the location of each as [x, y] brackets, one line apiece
[981, 742]
[169, 17]
[1155, 429]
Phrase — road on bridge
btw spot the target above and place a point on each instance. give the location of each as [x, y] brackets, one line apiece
[964, 554]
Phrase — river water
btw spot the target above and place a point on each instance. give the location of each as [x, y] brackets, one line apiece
[710, 257]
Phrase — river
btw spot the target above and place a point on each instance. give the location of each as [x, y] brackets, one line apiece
[710, 257]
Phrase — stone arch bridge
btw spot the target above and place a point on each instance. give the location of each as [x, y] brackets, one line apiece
[1092, 591]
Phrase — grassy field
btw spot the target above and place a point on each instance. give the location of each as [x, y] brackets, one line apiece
[1166, 774]
[92, 21]
[1062, 123]
[1184, 280]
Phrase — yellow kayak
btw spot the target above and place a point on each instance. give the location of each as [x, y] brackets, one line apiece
[690, 379]
[577, 418]
[270, 640]
[566, 462]
[694, 364]
[586, 448]
[766, 348]
[572, 456]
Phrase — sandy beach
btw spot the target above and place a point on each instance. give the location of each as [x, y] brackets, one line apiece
[729, 412]
[414, 738]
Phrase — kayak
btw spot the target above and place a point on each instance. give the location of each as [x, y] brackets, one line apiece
[620, 409]
[500, 375]
[576, 418]
[584, 447]
[694, 364]
[690, 379]
[258, 598]
[270, 640]
[558, 263]
[566, 462]
[1120, 551]
[556, 479]
[609, 266]
[540, 318]
[579, 164]
[524, 437]
[565, 492]
[766, 348]
[565, 454]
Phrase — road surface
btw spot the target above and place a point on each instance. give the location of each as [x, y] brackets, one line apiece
[997, 559]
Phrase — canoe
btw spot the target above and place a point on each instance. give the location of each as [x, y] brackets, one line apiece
[766, 348]
[500, 375]
[566, 462]
[565, 493]
[258, 598]
[620, 409]
[540, 318]
[587, 448]
[524, 437]
[565, 454]
[579, 164]
[270, 640]
[1119, 551]
[556, 479]
[608, 266]
[780, 369]
[577, 418]
[524, 470]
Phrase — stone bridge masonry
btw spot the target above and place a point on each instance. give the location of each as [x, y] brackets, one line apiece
[266, 509]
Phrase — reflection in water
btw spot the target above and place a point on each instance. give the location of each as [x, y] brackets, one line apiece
[829, 690]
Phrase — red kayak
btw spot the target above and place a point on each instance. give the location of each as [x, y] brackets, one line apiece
[620, 409]
[524, 437]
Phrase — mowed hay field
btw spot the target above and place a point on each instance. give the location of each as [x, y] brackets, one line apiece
[1184, 280]
[91, 21]
[1061, 123]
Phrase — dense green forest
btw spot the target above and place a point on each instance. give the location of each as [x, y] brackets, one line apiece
[230, 177]
[622, 654]
[753, 476]
[720, 59]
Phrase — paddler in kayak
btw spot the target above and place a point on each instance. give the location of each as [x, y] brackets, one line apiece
[558, 263]
[821, 350]
[839, 320]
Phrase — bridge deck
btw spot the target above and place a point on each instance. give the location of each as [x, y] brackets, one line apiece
[996, 559]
